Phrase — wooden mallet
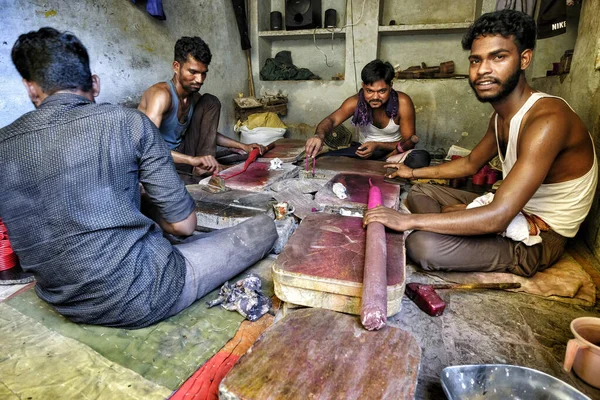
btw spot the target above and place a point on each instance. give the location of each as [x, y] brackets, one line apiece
[425, 297]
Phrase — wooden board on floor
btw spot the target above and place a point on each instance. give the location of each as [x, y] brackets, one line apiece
[287, 150]
[327, 167]
[257, 177]
[320, 354]
[357, 190]
[322, 265]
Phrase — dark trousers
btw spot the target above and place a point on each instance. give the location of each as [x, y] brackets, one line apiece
[200, 139]
[487, 253]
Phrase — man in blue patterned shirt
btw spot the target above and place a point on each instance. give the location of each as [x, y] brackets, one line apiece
[70, 198]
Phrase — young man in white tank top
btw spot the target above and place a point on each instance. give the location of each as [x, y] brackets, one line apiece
[382, 115]
[550, 168]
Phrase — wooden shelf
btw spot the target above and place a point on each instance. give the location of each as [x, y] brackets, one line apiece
[423, 28]
[302, 34]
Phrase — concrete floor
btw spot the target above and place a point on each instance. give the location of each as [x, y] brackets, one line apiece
[492, 327]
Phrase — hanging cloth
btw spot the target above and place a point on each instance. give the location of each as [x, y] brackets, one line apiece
[155, 8]
[526, 6]
[552, 18]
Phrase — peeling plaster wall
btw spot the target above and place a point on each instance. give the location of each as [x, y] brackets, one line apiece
[447, 110]
[129, 49]
[581, 89]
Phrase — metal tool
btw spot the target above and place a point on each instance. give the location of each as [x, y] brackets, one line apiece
[425, 297]
[314, 165]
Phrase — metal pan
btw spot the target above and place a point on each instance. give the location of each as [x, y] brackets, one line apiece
[500, 381]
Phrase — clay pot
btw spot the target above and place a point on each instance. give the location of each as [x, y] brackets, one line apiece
[583, 352]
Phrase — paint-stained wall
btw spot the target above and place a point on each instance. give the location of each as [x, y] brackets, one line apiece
[129, 49]
[581, 89]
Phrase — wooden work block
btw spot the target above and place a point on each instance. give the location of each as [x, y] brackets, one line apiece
[357, 190]
[226, 209]
[287, 150]
[320, 354]
[257, 177]
[327, 167]
[322, 265]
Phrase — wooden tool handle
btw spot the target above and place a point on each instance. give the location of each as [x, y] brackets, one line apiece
[270, 146]
[468, 286]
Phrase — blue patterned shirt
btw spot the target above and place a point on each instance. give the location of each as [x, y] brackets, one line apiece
[70, 199]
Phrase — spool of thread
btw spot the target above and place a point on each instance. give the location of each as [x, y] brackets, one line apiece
[405, 144]
[8, 258]
[330, 18]
[478, 179]
[276, 21]
[491, 177]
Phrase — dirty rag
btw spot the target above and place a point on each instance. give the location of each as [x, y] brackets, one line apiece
[518, 229]
[245, 296]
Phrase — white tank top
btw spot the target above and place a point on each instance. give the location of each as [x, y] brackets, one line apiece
[371, 133]
[564, 205]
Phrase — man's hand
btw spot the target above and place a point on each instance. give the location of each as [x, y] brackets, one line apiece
[366, 149]
[402, 171]
[249, 147]
[208, 163]
[313, 146]
[389, 217]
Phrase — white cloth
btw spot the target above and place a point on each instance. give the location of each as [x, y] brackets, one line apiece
[564, 205]
[517, 230]
[371, 133]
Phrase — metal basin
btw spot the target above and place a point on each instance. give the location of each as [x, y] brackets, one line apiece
[500, 381]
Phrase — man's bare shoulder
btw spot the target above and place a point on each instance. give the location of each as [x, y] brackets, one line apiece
[157, 96]
[552, 116]
[403, 99]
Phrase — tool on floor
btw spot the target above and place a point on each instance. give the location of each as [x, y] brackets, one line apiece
[217, 182]
[373, 312]
[425, 297]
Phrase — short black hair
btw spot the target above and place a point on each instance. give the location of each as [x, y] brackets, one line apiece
[505, 23]
[377, 70]
[52, 59]
[193, 46]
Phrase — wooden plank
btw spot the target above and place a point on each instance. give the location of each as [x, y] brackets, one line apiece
[357, 188]
[319, 354]
[327, 167]
[287, 150]
[257, 178]
[326, 254]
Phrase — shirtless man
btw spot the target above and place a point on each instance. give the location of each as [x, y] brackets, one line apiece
[177, 105]
[548, 159]
[383, 117]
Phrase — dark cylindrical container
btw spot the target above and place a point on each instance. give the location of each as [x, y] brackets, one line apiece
[330, 18]
[276, 21]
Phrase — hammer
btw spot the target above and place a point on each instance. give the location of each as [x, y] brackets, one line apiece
[425, 297]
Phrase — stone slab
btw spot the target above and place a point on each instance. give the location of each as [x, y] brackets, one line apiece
[322, 265]
[327, 167]
[257, 177]
[320, 354]
[227, 209]
[287, 150]
[357, 188]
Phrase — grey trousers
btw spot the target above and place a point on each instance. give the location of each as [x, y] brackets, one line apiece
[488, 253]
[217, 256]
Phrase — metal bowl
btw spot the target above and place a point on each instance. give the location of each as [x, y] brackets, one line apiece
[501, 381]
